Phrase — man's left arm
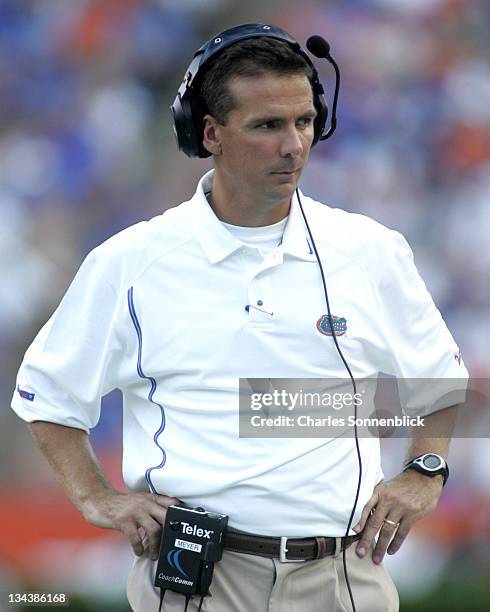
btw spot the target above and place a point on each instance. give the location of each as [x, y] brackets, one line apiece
[409, 496]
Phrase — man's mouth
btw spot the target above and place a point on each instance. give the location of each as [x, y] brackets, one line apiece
[286, 171]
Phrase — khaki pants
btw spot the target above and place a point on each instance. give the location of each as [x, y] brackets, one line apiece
[248, 583]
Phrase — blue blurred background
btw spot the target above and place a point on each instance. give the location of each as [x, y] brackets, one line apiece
[86, 149]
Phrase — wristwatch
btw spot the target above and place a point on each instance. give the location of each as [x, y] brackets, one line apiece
[429, 464]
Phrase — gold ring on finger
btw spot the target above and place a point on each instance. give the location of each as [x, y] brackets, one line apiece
[392, 523]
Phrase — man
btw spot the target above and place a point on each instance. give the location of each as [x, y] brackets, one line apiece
[175, 310]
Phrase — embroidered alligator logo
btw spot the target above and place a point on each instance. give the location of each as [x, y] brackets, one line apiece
[324, 327]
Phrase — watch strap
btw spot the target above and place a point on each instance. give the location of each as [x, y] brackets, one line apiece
[417, 465]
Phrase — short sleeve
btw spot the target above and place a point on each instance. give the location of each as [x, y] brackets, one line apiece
[73, 360]
[422, 353]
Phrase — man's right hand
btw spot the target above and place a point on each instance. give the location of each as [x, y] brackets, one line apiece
[139, 516]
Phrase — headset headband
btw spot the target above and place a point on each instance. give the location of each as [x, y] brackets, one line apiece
[189, 109]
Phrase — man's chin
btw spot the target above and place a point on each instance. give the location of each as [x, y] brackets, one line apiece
[286, 178]
[286, 188]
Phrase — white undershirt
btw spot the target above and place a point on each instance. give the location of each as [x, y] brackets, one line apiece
[264, 238]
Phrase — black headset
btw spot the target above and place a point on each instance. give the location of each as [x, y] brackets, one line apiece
[189, 109]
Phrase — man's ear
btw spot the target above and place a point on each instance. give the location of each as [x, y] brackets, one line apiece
[211, 140]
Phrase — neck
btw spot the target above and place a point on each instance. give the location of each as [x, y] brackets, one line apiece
[246, 209]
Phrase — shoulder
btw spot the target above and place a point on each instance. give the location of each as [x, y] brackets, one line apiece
[356, 236]
[123, 257]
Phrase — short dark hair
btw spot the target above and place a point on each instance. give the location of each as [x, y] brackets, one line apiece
[248, 58]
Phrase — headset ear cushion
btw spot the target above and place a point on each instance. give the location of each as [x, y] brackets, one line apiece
[180, 129]
[184, 126]
[321, 118]
[198, 110]
[188, 115]
[190, 135]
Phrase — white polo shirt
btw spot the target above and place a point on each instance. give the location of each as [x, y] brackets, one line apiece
[158, 311]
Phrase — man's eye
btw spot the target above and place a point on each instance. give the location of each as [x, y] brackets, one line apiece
[306, 121]
[268, 125]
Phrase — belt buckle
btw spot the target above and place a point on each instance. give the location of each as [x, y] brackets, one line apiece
[283, 550]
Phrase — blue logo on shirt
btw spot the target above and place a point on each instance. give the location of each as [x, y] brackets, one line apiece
[324, 327]
[25, 394]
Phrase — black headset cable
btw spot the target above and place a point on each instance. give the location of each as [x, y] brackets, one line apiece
[359, 459]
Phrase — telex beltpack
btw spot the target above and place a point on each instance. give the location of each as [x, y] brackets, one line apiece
[192, 541]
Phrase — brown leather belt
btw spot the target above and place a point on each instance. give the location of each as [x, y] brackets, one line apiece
[285, 549]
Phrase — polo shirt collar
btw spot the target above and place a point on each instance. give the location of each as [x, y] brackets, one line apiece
[217, 242]
[296, 241]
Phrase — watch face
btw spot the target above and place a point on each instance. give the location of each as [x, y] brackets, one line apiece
[431, 462]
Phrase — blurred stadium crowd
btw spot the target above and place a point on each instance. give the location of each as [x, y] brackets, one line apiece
[86, 149]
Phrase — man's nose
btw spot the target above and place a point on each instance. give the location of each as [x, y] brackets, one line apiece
[291, 145]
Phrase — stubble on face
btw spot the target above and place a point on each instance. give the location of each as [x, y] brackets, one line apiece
[264, 145]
